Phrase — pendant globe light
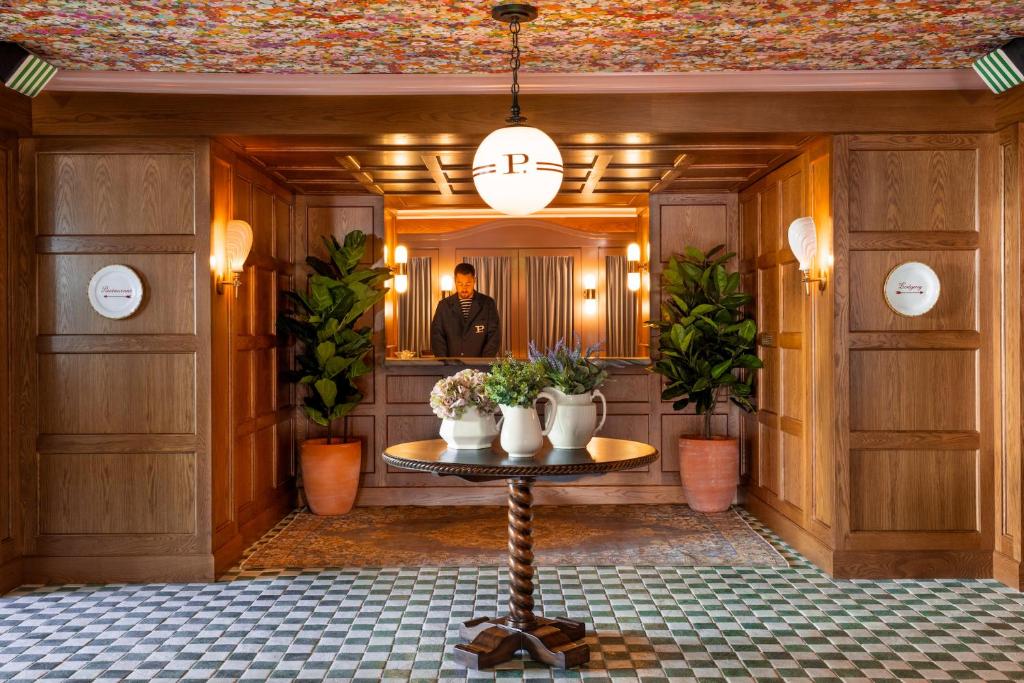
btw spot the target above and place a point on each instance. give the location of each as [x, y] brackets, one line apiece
[517, 169]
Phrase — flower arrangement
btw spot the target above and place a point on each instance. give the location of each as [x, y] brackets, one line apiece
[571, 370]
[514, 382]
[452, 396]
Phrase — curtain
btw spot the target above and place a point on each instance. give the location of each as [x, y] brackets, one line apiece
[549, 299]
[415, 307]
[494, 278]
[620, 310]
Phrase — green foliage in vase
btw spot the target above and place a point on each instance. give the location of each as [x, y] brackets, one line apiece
[332, 349]
[705, 342]
[570, 369]
[514, 382]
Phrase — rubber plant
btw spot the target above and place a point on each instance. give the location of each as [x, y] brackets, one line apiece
[706, 342]
[332, 347]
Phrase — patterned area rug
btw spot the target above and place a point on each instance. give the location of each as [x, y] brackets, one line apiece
[571, 535]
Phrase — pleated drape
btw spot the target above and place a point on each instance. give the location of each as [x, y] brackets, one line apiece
[620, 310]
[415, 307]
[494, 278]
[549, 299]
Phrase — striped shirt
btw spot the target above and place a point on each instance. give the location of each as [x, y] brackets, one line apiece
[465, 304]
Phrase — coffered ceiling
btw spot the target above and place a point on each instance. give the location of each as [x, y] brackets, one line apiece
[599, 169]
[458, 36]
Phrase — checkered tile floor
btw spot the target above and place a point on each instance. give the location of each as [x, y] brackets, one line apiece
[648, 624]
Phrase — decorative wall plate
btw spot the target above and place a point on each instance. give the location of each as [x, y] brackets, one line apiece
[115, 291]
[911, 289]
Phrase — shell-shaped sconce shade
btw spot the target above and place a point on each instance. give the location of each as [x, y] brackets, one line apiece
[237, 243]
[803, 241]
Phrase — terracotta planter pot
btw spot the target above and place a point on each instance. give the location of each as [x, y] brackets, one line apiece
[709, 470]
[330, 475]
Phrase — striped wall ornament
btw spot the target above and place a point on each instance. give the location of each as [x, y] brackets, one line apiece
[22, 71]
[1002, 69]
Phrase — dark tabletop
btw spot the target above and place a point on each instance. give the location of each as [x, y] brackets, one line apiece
[601, 455]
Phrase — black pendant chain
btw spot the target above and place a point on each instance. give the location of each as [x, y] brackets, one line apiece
[515, 119]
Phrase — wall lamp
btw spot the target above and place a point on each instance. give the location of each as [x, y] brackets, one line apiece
[633, 267]
[447, 286]
[590, 294]
[237, 244]
[401, 269]
[803, 242]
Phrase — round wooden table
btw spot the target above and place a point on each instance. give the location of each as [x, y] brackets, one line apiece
[554, 641]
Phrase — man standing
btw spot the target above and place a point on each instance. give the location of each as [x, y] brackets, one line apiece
[466, 324]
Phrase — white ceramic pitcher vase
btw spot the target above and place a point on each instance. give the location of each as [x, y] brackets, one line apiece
[574, 422]
[521, 434]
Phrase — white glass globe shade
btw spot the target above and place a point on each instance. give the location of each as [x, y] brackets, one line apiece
[517, 170]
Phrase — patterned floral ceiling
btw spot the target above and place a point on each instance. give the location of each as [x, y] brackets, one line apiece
[458, 36]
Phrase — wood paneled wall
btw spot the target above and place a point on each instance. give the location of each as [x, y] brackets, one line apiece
[787, 463]
[115, 415]
[916, 397]
[1007, 560]
[253, 471]
[15, 118]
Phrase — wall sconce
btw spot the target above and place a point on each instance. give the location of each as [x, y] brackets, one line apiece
[237, 244]
[447, 286]
[633, 267]
[803, 242]
[401, 269]
[589, 294]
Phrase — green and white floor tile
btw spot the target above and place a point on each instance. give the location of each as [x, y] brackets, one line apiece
[646, 624]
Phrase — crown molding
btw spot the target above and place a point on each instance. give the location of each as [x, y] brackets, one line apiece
[491, 84]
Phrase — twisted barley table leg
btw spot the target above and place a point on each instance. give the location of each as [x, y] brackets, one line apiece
[520, 554]
[552, 641]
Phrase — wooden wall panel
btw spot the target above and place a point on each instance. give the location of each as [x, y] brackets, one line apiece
[956, 308]
[627, 388]
[627, 426]
[697, 225]
[255, 471]
[15, 119]
[121, 465]
[780, 460]
[117, 493]
[142, 393]
[914, 490]
[168, 306]
[1008, 558]
[76, 193]
[913, 390]
[906, 189]
[411, 389]
[916, 397]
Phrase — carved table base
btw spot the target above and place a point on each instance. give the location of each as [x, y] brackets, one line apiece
[554, 642]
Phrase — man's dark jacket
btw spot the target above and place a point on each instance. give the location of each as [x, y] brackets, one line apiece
[478, 336]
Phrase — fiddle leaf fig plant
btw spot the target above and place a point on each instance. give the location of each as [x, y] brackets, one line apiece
[332, 349]
[706, 342]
